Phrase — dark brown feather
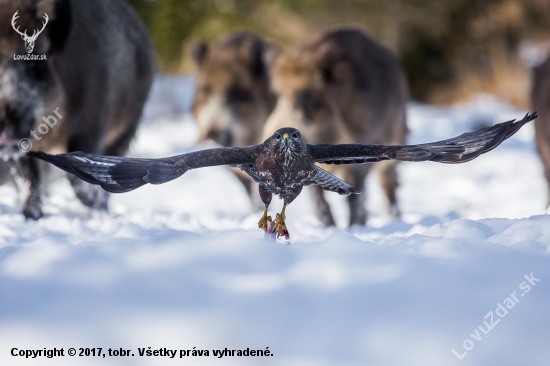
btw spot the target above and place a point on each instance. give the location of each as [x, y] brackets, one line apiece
[459, 149]
[281, 165]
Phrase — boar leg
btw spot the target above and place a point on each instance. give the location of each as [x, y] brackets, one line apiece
[32, 208]
[120, 146]
[388, 179]
[90, 195]
[247, 183]
[542, 134]
[322, 208]
[356, 177]
[547, 174]
[86, 139]
[250, 186]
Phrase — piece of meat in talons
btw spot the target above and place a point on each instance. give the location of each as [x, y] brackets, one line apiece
[278, 228]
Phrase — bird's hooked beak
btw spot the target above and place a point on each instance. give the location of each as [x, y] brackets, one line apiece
[286, 140]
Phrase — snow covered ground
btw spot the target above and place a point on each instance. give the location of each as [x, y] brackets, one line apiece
[182, 265]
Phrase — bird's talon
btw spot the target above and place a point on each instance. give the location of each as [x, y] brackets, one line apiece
[264, 223]
[278, 228]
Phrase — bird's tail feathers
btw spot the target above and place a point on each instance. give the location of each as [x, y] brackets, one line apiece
[331, 183]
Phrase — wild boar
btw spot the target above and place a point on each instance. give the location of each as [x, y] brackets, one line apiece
[540, 100]
[233, 97]
[343, 87]
[74, 76]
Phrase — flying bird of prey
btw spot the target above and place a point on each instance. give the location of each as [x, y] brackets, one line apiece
[282, 165]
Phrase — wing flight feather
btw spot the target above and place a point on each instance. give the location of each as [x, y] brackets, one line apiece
[121, 174]
[461, 149]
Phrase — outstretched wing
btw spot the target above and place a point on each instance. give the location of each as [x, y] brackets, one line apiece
[331, 183]
[460, 149]
[120, 174]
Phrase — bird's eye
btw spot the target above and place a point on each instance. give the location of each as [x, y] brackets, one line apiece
[295, 136]
[277, 137]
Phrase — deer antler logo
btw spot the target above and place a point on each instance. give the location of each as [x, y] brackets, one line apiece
[29, 41]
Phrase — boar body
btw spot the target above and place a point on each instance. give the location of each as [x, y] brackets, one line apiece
[540, 99]
[99, 69]
[343, 88]
[233, 97]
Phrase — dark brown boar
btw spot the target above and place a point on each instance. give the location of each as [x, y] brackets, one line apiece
[233, 97]
[540, 100]
[343, 87]
[94, 80]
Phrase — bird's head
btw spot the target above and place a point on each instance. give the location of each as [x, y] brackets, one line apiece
[288, 140]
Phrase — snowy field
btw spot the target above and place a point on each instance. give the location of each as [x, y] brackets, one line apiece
[183, 265]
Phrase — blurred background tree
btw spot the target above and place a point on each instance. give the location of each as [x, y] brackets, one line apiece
[450, 49]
